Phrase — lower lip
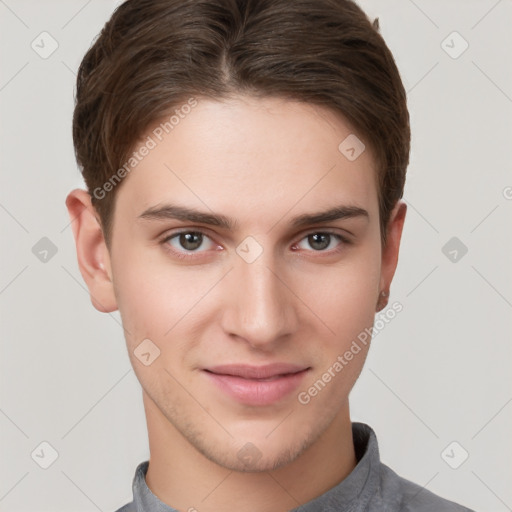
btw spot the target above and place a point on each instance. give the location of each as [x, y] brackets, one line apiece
[258, 392]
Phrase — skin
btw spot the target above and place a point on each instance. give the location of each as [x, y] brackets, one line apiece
[260, 162]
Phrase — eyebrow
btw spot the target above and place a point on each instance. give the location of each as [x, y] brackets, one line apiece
[169, 211]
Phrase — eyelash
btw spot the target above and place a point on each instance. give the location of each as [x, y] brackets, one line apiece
[193, 254]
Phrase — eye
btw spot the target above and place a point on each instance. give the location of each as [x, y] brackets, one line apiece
[189, 241]
[321, 241]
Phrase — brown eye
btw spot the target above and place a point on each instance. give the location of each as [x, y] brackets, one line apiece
[322, 241]
[190, 241]
[319, 241]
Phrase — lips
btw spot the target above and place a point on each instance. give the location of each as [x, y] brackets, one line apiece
[257, 385]
[256, 372]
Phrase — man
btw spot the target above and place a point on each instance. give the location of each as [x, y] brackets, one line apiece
[245, 163]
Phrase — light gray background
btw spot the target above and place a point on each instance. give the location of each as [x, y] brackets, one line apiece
[438, 373]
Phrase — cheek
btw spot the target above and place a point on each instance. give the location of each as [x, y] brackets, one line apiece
[160, 300]
[344, 296]
[156, 302]
[151, 296]
[344, 299]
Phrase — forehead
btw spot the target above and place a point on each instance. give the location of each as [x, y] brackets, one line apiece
[247, 155]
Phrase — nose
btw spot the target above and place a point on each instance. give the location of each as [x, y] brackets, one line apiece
[259, 309]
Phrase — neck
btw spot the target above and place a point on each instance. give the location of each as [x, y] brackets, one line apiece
[183, 478]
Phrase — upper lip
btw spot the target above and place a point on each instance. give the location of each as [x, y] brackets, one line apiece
[247, 371]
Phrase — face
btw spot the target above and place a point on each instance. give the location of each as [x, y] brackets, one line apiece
[246, 248]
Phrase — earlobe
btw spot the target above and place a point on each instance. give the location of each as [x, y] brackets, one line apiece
[390, 251]
[92, 252]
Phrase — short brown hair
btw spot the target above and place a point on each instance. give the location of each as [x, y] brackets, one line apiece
[153, 55]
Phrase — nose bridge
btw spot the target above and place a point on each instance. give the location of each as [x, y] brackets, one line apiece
[261, 309]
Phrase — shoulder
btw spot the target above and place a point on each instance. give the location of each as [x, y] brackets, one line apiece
[129, 507]
[397, 493]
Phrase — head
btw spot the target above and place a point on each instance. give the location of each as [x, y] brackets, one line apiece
[245, 162]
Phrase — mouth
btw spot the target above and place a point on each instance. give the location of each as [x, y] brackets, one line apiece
[257, 385]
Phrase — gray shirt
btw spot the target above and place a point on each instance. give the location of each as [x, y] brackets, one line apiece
[370, 487]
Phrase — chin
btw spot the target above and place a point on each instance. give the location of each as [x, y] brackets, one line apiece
[254, 456]
[250, 459]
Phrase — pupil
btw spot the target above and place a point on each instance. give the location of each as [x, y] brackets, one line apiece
[191, 241]
[319, 241]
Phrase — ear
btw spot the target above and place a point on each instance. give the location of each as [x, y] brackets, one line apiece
[390, 250]
[91, 249]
